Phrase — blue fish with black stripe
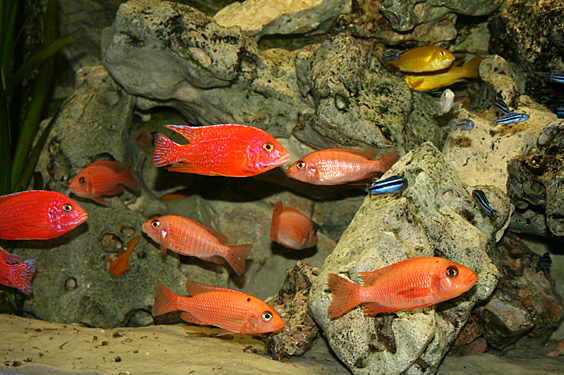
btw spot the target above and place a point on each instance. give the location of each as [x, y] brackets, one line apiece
[501, 106]
[559, 78]
[391, 185]
[484, 203]
[512, 118]
[392, 55]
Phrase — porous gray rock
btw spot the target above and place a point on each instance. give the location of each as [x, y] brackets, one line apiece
[263, 17]
[434, 216]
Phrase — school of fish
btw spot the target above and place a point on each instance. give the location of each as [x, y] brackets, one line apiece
[235, 150]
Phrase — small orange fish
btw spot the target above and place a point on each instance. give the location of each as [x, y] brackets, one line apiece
[103, 177]
[424, 59]
[120, 265]
[291, 228]
[335, 166]
[225, 308]
[443, 78]
[188, 237]
[220, 150]
[409, 284]
[175, 196]
[38, 215]
[15, 273]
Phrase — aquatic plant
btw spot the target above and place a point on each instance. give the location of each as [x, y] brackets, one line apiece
[17, 165]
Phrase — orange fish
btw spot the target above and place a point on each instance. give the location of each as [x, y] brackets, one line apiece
[291, 228]
[409, 284]
[220, 150]
[38, 215]
[103, 177]
[424, 59]
[15, 273]
[335, 166]
[188, 237]
[443, 78]
[225, 308]
[120, 265]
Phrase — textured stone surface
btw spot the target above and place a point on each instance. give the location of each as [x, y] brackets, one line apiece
[435, 216]
[536, 179]
[524, 309]
[263, 17]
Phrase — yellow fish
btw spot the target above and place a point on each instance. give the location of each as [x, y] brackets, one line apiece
[424, 59]
[446, 77]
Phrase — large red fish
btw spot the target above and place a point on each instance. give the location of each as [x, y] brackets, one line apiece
[409, 284]
[291, 228]
[103, 177]
[335, 166]
[220, 150]
[15, 273]
[225, 308]
[188, 237]
[38, 215]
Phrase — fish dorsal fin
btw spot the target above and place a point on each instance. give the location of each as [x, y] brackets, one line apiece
[369, 278]
[191, 133]
[222, 238]
[190, 318]
[369, 154]
[194, 289]
[9, 258]
[115, 166]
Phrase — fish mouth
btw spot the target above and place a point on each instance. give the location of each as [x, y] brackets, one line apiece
[81, 219]
[283, 159]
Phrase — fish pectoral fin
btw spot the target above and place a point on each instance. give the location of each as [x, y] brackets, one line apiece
[415, 292]
[100, 200]
[191, 319]
[164, 247]
[214, 259]
[376, 308]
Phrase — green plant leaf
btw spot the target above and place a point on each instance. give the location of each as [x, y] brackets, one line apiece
[39, 57]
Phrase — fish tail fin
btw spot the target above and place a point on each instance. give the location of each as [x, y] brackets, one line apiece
[345, 295]
[165, 151]
[386, 162]
[472, 67]
[129, 180]
[236, 257]
[166, 300]
[20, 275]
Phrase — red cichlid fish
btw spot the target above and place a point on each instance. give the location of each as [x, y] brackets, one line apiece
[220, 150]
[335, 166]
[446, 77]
[119, 266]
[103, 177]
[188, 237]
[15, 273]
[225, 308]
[291, 228]
[424, 59]
[38, 215]
[409, 284]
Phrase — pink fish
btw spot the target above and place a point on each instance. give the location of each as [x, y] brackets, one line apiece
[291, 228]
[15, 273]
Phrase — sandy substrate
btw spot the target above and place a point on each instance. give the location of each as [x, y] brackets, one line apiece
[35, 347]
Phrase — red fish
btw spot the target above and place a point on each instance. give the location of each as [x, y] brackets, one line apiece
[220, 150]
[188, 237]
[335, 166]
[120, 265]
[38, 215]
[291, 228]
[103, 177]
[15, 273]
[225, 308]
[409, 284]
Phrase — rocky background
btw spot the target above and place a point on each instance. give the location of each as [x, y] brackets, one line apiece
[311, 73]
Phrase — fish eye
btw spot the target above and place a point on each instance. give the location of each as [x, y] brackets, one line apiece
[267, 316]
[268, 147]
[442, 53]
[452, 272]
[67, 207]
[156, 224]
[301, 164]
[81, 180]
[314, 230]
